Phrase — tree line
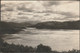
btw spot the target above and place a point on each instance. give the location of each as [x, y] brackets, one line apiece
[12, 48]
[58, 25]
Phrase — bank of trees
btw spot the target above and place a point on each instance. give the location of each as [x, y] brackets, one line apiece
[12, 48]
[58, 25]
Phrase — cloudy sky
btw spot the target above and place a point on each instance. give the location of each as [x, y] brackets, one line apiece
[22, 11]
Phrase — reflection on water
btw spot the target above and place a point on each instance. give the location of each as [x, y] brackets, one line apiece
[57, 39]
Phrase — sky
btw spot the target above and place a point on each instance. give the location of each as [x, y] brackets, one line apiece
[23, 11]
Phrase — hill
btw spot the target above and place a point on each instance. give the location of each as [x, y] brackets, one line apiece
[10, 27]
[58, 25]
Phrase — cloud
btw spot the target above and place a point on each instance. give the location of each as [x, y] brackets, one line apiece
[68, 14]
[40, 11]
[50, 3]
[3, 5]
[67, 7]
[7, 7]
[24, 9]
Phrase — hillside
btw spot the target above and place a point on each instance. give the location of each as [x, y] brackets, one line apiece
[10, 27]
[58, 25]
[12, 48]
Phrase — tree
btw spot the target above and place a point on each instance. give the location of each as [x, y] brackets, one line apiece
[42, 48]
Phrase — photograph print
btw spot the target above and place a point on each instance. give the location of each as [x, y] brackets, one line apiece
[39, 26]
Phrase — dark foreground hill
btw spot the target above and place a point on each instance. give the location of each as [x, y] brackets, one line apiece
[12, 48]
[58, 25]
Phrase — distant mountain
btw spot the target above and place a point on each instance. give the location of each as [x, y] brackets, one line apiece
[58, 25]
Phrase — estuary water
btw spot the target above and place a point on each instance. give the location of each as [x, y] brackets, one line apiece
[60, 40]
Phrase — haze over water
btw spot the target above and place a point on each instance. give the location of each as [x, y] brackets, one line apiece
[60, 40]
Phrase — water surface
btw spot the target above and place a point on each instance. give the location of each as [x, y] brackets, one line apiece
[61, 40]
